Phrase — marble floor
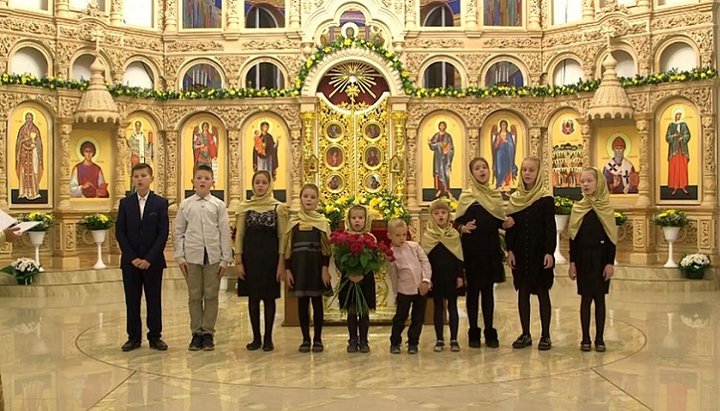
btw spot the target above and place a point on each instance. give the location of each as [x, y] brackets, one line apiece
[62, 353]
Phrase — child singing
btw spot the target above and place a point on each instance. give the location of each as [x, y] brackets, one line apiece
[593, 235]
[441, 242]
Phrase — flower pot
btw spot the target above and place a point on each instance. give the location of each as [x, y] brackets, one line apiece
[24, 281]
[560, 224]
[697, 274]
[671, 235]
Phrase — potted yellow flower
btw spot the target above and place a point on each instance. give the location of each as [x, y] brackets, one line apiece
[37, 233]
[671, 221]
[98, 224]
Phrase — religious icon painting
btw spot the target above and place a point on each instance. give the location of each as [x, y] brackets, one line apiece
[91, 172]
[503, 13]
[504, 135]
[680, 162]
[621, 163]
[441, 148]
[334, 131]
[372, 157]
[567, 154]
[334, 157]
[203, 143]
[264, 145]
[373, 183]
[372, 130]
[29, 135]
[335, 183]
[141, 137]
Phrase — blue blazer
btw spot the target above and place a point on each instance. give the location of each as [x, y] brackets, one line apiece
[143, 238]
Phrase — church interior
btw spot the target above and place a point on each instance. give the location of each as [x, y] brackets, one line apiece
[378, 102]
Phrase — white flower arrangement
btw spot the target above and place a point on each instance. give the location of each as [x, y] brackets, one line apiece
[25, 265]
[695, 262]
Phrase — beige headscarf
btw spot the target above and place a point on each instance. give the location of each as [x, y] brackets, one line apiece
[600, 202]
[489, 198]
[260, 204]
[312, 218]
[523, 198]
[368, 220]
[434, 234]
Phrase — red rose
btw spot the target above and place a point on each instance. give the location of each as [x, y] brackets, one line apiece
[356, 248]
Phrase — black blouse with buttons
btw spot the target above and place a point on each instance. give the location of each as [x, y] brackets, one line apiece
[530, 239]
[591, 251]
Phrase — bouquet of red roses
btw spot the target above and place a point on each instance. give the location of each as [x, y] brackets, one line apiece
[357, 255]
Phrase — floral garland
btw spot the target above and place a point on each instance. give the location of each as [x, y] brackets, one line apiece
[118, 90]
[383, 206]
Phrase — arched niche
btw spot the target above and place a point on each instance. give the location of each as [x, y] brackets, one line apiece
[28, 58]
[139, 73]
[677, 54]
[264, 72]
[200, 74]
[504, 71]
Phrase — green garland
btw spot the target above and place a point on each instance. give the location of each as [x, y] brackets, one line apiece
[52, 83]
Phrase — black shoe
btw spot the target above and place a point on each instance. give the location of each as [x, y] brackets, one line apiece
[268, 346]
[491, 338]
[439, 346]
[412, 349]
[524, 340]
[317, 346]
[599, 346]
[454, 346]
[394, 349]
[197, 343]
[208, 342]
[158, 344]
[131, 345]
[352, 346]
[254, 345]
[364, 347]
[585, 345]
[304, 347]
[544, 344]
[474, 338]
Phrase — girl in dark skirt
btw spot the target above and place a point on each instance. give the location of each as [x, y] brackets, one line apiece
[307, 259]
[593, 235]
[441, 242]
[479, 216]
[357, 221]
[531, 243]
[261, 224]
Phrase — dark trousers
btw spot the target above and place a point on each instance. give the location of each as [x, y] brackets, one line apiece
[134, 282]
[403, 303]
[439, 316]
[480, 297]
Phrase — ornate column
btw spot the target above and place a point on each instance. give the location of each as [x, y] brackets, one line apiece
[116, 12]
[294, 16]
[709, 144]
[399, 118]
[235, 192]
[171, 167]
[171, 16]
[471, 18]
[588, 10]
[3, 169]
[233, 15]
[410, 166]
[122, 172]
[309, 159]
[546, 148]
[586, 139]
[64, 180]
[410, 13]
[534, 15]
[296, 176]
[473, 143]
[535, 141]
[642, 122]
[62, 8]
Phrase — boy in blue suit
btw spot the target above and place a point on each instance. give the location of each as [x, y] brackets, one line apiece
[142, 231]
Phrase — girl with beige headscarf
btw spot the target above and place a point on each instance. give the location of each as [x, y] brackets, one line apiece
[261, 224]
[593, 235]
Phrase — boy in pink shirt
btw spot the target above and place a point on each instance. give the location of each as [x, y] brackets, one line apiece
[410, 278]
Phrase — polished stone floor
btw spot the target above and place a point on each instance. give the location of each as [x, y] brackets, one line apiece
[61, 353]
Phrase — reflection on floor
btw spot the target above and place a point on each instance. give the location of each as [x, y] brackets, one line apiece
[64, 354]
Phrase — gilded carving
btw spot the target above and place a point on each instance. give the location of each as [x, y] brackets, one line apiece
[512, 43]
[680, 20]
[433, 43]
[194, 46]
[275, 44]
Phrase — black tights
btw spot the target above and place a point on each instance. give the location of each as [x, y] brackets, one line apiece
[524, 310]
[477, 295]
[355, 321]
[254, 308]
[439, 317]
[304, 314]
[585, 302]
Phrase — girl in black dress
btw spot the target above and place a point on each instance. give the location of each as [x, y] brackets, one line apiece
[307, 259]
[357, 222]
[441, 242]
[531, 243]
[593, 235]
[261, 224]
[479, 216]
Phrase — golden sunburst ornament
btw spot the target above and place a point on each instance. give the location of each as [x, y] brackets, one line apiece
[353, 78]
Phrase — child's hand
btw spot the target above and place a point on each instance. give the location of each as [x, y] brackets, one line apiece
[289, 278]
[468, 228]
[511, 260]
[221, 271]
[136, 262]
[184, 269]
[280, 275]
[608, 272]
[240, 270]
[508, 223]
[459, 283]
[356, 278]
[424, 288]
[144, 264]
[572, 272]
[548, 261]
[326, 276]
